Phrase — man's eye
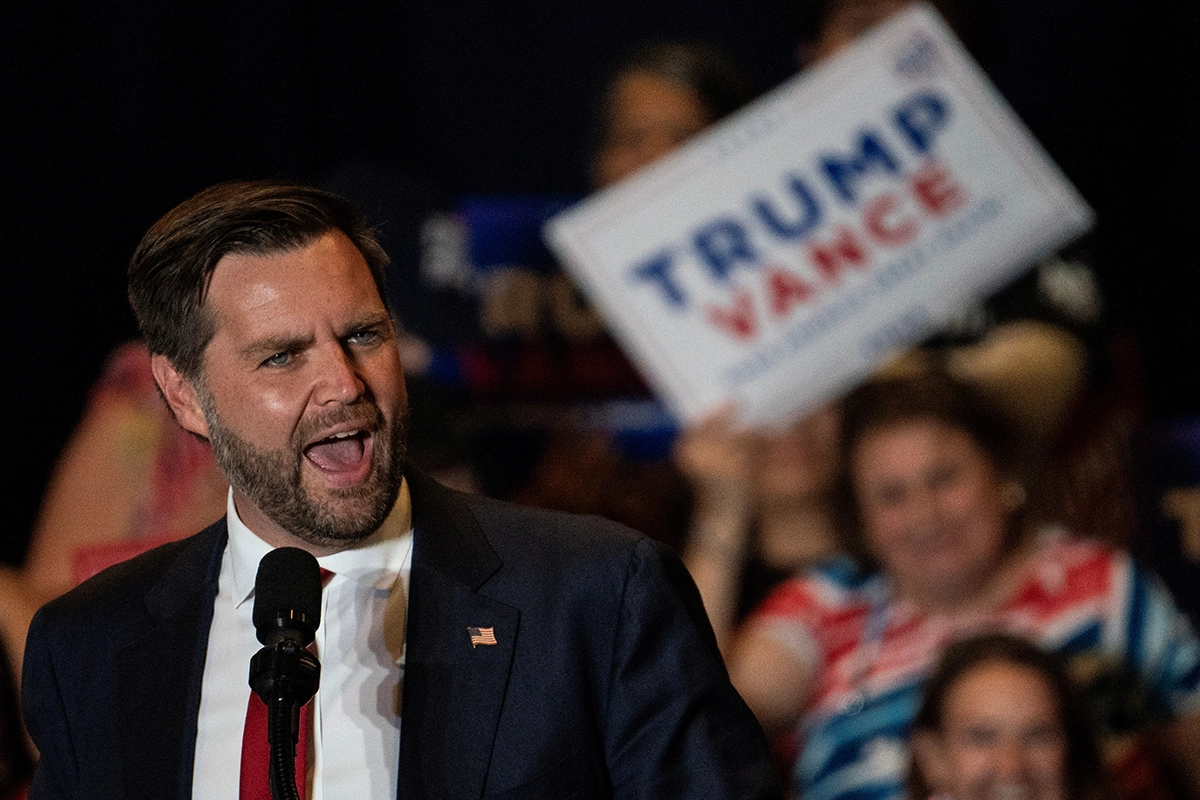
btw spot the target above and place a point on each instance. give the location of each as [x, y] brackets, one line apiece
[277, 360]
[363, 337]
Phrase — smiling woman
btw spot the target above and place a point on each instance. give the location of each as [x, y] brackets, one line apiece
[1000, 719]
[933, 490]
[835, 660]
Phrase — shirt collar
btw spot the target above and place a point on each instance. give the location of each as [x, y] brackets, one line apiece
[378, 559]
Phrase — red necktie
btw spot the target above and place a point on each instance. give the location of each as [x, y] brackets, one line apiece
[256, 753]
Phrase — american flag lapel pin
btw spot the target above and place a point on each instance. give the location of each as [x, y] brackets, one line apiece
[481, 636]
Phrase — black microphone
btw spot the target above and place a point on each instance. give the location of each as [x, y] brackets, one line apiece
[285, 674]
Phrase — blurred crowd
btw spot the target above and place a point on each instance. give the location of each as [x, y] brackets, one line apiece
[923, 587]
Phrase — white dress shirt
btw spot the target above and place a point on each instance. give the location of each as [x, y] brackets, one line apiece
[360, 643]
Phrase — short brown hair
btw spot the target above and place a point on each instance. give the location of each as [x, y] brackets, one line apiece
[929, 395]
[924, 396]
[172, 267]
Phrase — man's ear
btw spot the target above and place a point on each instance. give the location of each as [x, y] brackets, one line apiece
[180, 394]
[929, 756]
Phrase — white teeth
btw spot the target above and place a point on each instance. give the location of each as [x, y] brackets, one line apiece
[345, 435]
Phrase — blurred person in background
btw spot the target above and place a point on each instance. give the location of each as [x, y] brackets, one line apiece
[1038, 350]
[655, 99]
[835, 660]
[559, 417]
[760, 497]
[652, 100]
[762, 508]
[1000, 719]
[751, 526]
[16, 761]
[828, 26]
[129, 479]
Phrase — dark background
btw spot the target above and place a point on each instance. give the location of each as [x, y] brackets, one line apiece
[111, 113]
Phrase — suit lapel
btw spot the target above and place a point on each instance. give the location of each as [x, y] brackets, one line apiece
[453, 691]
[160, 670]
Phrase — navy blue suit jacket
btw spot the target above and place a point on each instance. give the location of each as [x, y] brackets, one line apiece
[605, 680]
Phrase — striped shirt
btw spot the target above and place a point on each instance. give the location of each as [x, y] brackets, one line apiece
[871, 655]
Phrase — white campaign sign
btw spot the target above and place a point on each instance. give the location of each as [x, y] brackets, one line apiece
[775, 259]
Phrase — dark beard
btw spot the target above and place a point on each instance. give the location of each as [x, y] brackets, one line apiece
[272, 479]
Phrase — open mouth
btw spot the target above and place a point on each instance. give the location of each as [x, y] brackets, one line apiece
[343, 458]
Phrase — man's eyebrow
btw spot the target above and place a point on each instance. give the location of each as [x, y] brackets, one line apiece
[270, 345]
[274, 344]
[370, 321]
[377, 320]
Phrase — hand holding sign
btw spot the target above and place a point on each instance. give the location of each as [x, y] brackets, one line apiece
[775, 259]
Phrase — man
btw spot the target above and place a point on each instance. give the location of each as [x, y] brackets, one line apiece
[523, 653]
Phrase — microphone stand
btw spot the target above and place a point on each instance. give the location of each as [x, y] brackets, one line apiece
[285, 675]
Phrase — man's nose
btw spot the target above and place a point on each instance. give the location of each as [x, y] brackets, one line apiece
[338, 379]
